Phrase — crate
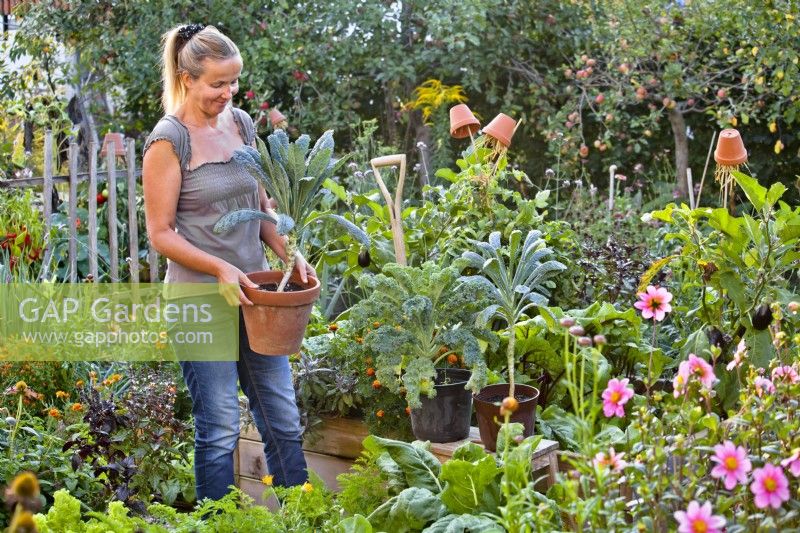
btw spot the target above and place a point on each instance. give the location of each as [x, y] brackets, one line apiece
[337, 444]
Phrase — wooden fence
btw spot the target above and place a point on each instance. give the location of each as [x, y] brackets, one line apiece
[94, 176]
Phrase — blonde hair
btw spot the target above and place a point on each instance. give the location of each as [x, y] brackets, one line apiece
[178, 56]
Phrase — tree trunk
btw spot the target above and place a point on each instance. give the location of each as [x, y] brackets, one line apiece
[681, 150]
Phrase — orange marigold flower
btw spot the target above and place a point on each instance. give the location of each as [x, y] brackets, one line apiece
[54, 413]
[379, 414]
[76, 407]
[61, 394]
[376, 325]
[115, 377]
[376, 384]
[360, 340]
[333, 327]
[79, 383]
[408, 410]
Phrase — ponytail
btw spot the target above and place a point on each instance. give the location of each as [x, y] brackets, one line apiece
[178, 56]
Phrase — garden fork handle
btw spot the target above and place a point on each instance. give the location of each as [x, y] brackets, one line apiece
[395, 216]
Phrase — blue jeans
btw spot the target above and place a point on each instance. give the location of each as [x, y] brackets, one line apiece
[267, 382]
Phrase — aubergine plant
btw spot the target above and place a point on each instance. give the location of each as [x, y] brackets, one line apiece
[293, 177]
[515, 277]
[419, 317]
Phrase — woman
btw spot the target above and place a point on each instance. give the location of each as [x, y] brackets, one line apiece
[190, 180]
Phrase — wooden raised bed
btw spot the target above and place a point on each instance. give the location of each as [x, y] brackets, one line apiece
[336, 445]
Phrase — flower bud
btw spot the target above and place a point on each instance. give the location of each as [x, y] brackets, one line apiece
[576, 331]
[600, 339]
[584, 341]
[567, 322]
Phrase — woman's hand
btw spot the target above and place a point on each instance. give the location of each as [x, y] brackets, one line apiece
[231, 279]
[303, 268]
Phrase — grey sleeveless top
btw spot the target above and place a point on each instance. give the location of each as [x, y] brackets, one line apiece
[208, 192]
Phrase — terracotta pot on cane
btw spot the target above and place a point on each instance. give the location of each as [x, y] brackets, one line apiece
[501, 128]
[462, 122]
[730, 149]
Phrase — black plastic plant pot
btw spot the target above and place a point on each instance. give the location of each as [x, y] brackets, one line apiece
[487, 410]
[445, 417]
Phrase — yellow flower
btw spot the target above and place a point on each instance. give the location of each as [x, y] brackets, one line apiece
[773, 127]
[21, 386]
[778, 146]
[79, 383]
[433, 94]
[61, 394]
[113, 378]
[22, 523]
[307, 487]
[25, 485]
[267, 480]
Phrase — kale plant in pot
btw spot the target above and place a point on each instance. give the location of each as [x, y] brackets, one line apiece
[293, 177]
[425, 344]
[515, 278]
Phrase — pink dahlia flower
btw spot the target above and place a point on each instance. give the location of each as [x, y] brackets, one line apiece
[612, 460]
[699, 519]
[770, 486]
[793, 463]
[785, 373]
[763, 385]
[693, 367]
[615, 397]
[654, 303]
[732, 464]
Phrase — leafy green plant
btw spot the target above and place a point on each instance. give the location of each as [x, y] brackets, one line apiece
[364, 488]
[293, 177]
[425, 319]
[729, 267]
[516, 280]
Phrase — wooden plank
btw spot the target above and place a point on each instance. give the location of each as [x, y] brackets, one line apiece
[21, 183]
[152, 260]
[111, 212]
[73, 211]
[255, 489]
[47, 189]
[341, 437]
[93, 211]
[252, 464]
[133, 219]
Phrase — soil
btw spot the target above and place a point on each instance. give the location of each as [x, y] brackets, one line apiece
[273, 287]
[498, 398]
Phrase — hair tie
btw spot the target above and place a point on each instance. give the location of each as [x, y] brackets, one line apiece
[187, 32]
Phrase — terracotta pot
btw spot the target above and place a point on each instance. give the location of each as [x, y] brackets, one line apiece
[276, 117]
[119, 144]
[730, 149]
[488, 411]
[501, 128]
[462, 122]
[277, 321]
